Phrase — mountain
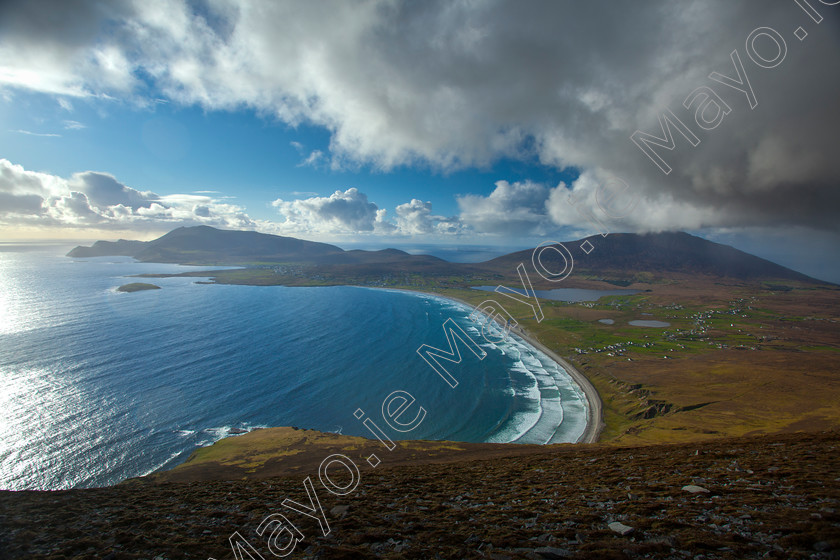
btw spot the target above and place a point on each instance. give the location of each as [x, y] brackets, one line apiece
[207, 245]
[121, 248]
[620, 258]
[658, 254]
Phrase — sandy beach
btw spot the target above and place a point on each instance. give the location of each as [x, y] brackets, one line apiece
[594, 415]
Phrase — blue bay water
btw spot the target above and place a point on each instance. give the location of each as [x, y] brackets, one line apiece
[100, 386]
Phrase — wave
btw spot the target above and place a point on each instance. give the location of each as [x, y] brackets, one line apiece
[163, 464]
[538, 383]
[539, 413]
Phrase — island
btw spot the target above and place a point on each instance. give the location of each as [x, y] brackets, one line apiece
[137, 287]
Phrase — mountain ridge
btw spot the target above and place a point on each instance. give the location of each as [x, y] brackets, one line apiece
[659, 252]
[612, 258]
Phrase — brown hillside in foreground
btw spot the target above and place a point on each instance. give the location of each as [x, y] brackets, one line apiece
[282, 451]
[769, 497]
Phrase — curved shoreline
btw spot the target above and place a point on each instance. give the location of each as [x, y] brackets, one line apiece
[594, 410]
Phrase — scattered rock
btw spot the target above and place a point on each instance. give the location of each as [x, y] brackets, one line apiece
[620, 528]
[695, 489]
[822, 546]
[552, 552]
[339, 511]
[569, 507]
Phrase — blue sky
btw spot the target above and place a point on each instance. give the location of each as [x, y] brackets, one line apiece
[406, 124]
[174, 149]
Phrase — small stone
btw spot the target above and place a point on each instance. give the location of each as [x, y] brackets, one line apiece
[339, 511]
[620, 528]
[552, 552]
[822, 546]
[695, 489]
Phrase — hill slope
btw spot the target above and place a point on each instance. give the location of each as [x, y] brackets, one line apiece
[207, 245]
[671, 252]
[769, 497]
[620, 258]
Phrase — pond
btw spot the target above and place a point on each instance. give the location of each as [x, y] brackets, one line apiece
[649, 323]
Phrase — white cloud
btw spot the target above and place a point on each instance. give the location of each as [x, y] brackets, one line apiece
[20, 205]
[41, 134]
[511, 209]
[74, 125]
[415, 217]
[98, 200]
[599, 202]
[341, 212]
[314, 159]
[350, 212]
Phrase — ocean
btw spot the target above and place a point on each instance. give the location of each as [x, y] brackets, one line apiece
[100, 386]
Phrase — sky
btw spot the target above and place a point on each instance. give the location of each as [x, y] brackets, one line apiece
[407, 124]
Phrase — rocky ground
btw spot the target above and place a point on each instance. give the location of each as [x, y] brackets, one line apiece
[762, 497]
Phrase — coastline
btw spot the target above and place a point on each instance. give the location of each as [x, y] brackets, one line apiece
[594, 410]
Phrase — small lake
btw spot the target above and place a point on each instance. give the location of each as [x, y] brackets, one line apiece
[649, 323]
[606, 321]
[571, 295]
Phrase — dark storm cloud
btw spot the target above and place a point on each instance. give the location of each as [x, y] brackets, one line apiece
[460, 84]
